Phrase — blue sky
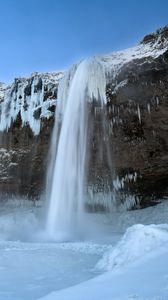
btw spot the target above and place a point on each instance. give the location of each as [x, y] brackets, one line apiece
[50, 35]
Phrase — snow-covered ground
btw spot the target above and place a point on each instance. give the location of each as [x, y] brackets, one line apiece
[123, 256]
[145, 279]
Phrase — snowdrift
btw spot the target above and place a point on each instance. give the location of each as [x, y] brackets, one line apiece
[136, 242]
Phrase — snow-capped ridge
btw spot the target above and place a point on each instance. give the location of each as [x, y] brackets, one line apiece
[150, 50]
[161, 33]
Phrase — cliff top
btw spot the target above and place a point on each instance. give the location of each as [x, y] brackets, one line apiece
[152, 46]
[161, 33]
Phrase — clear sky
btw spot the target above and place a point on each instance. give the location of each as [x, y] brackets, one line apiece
[50, 35]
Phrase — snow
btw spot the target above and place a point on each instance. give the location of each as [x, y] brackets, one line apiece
[109, 262]
[137, 263]
[116, 60]
[146, 279]
[139, 269]
[29, 271]
[137, 241]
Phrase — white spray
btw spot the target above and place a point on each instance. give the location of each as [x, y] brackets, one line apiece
[67, 174]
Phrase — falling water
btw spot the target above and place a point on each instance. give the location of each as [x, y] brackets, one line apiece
[67, 174]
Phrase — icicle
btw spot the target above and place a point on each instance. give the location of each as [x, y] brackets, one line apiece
[157, 101]
[148, 107]
[15, 101]
[139, 113]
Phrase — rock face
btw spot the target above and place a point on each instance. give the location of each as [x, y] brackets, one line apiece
[136, 123]
[134, 141]
[143, 134]
[27, 118]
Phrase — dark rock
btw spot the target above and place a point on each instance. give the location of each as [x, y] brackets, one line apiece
[27, 90]
[38, 86]
[37, 113]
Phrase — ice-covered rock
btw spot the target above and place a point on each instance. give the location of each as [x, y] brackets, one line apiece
[31, 98]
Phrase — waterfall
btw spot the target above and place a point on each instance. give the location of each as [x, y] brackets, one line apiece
[82, 84]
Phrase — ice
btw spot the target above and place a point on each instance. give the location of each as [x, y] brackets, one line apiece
[120, 85]
[29, 271]
[15, 102]
[149, 108]
[139, 113]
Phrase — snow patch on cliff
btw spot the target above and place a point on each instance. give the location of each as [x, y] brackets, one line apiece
[116, 60]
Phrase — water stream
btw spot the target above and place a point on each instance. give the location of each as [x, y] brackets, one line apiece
[67, 173]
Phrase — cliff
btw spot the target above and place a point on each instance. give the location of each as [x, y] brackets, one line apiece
[27, 117]
[137, 114]
[132, 142]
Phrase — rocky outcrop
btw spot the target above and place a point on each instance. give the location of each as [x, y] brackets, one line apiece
[136, 125]
[129, 145]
